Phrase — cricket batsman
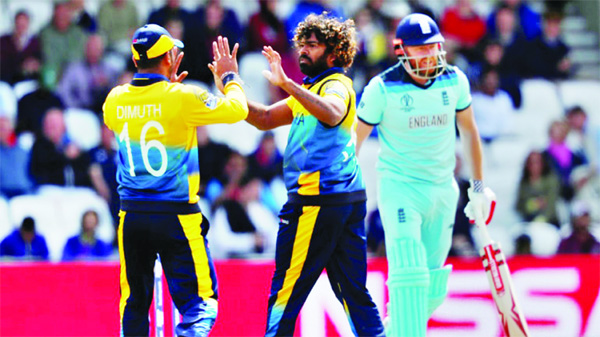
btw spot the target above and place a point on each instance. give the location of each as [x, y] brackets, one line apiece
[415, 106]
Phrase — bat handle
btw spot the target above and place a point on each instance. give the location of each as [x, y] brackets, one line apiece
[480, 223]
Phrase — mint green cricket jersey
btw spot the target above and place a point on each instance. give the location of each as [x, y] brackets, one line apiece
[416, 124]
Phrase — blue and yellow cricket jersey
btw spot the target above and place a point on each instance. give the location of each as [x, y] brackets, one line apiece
[320, 164]
[155, 124]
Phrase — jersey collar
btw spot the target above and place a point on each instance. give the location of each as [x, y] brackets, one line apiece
[312, 80]
[140, 80]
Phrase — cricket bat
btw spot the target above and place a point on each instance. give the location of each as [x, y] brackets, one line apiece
[511, 316]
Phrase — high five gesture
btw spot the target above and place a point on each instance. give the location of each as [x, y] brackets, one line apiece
[224, 65]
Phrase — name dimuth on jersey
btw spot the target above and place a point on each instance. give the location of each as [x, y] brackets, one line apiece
[139, 111]
[416, 122]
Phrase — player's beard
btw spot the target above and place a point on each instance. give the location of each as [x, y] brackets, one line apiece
[313, 68]
[425, 68]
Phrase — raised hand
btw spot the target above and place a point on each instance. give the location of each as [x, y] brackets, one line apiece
[276, 76]
[224, 60]
[174, 77]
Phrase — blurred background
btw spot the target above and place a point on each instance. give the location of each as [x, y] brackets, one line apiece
[534, 68]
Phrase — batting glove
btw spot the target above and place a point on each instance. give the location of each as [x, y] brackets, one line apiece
[482, 202]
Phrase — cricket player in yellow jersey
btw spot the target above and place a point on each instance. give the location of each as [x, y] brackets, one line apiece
[154, 119]
[322, 224]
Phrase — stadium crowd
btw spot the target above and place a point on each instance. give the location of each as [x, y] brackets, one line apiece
[67, 68]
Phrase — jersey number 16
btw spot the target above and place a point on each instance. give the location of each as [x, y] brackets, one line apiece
[145, 148]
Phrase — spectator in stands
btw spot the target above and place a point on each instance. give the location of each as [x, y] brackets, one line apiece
[266, 29]
[578, 139]
[55, 160]
[509, 57]
[31, 109]
[20, 52]
[86, 245]
[585, 180]
[172, 10]
[561, 158]
[547, 56]
[208, 22]
[493, 107]
[14, 161]
[24, 243]
[378, 16]
[527, 20]
[226, 186]
[266, 162]
[418, 6]
[103, 171]
[62, 42]
[86, 83]
[462, 24]
[212, 157]
[305, 7]
[390, 60]
[243, 226]
[539, 190]
[523, 245]
[581, 240]
[371, 39]
[81, 17]
[117, 20]
[455, 55]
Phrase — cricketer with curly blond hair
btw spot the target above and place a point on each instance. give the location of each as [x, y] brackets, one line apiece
[322, 224]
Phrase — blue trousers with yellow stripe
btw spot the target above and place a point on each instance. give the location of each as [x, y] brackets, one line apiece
[180, 241]
[313, 238]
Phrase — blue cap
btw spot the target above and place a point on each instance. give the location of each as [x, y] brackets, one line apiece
[151, 41]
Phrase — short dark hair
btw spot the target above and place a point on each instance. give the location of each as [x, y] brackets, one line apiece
[150, 63]
[28, 224]
[577, 109]
[552, 15]
[22, 12]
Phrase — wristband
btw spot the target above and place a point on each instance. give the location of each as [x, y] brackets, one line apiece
[477, 185]
[230, 76]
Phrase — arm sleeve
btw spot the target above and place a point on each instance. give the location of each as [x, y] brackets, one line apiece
[205, 108]
[372, 103]
[336, 89]
[289, 101]
[464, 91]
